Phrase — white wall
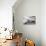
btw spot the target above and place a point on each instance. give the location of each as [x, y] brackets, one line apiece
[6, 13]
[29, 8]
[43, 22]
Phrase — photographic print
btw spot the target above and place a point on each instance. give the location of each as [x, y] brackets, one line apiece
[29, 20]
